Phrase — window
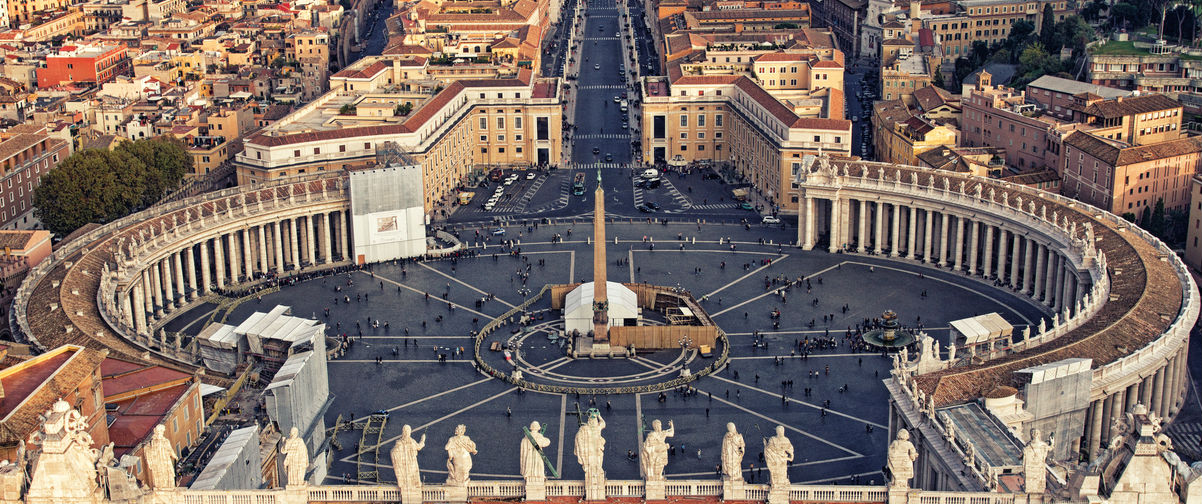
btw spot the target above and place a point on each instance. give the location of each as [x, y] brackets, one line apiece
[174, 425]
[700, 120]
[483, 123]
[684, 135]
[342, 148]
[500, 138]
[484, 150]
[518, 149]
[517, 123]
[817, 138]
[501, 150]
[683, 148]
[483, 138]
[684, 121]
[500, 123]
[296, 153]
[718, 120]
[316, 151]
[366, 146]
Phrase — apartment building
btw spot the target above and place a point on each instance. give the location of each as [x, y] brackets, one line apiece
[731, 119]
[95, 64]
[1137, 120]
[1056, 94]
[901, 136]
[1001, 117]
[1123, 178]
[24, 158]
[1193, 233]
[469, 124]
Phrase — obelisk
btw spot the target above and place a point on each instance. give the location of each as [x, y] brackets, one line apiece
[600, 301]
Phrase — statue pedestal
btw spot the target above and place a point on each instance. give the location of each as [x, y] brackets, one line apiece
[898, 495]
[594, 488]
[536, 489]
[778, 495]
[411, 495]
[655, 490]
[455, 493]
[734, 490]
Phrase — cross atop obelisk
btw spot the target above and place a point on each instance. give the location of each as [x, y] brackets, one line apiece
[600, 301]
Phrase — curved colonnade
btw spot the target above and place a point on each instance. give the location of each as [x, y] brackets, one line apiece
[1113, 293]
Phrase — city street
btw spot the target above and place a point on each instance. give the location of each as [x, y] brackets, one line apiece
[599, 135]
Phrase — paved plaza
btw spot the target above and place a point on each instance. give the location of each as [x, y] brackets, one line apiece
[415, 388]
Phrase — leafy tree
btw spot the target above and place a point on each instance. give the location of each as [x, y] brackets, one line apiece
[937, 80]
[1144, 218]
[1035, 62]
[1123, 14]
[346, 109]
[1130, 216]
[1047, 31]
[785, 26]
[98, 185]
[1156, 224]
[1093, 10]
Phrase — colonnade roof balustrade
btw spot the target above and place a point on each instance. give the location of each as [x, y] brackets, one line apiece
[1151, 292]
[59, 302]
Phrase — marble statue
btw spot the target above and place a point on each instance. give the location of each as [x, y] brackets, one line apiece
[1005, 199]
[404, 458]
[970, 455]
[913, 178]
[460, 449]
[1026, 333]
[64, 466]
[590, 448]
[531, 463]
[949, 429]
[1034, 455]
[976, 191]
[733, 448]
[951, 351]
[1043, 326]
[160, 459]
[946, 183]
[778, 452]
[296, 460]
[654, 455]
[900, 460]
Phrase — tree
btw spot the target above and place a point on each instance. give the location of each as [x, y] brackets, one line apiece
[785, 26]
[98, 185]
[1123, 14]
[1047, 31]
[1035, 62]
[346, 109]
[1156, 223]
[937, 80]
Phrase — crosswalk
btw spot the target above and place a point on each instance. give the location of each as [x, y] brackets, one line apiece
[564, 196]
[600, 38]
[616, 87]
[714, 206]
[602, 136]
[1187, 438]
[594, 166]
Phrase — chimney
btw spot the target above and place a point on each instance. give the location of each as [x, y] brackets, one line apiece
[915, 9]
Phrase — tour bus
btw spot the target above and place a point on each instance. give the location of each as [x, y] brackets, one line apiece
[578, 184]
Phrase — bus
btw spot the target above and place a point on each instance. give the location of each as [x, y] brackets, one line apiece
[578, 184]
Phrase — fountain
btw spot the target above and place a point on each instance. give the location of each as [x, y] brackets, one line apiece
[889, 336]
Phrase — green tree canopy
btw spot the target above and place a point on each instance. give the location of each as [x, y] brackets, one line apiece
[98, 185]
[1047, 27]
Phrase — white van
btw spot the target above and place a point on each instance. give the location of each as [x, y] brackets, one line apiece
[650, 174]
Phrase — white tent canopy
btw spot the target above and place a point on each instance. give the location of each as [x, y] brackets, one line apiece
[980, 329]
[578, 307]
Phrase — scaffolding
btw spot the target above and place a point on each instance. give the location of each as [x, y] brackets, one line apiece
[368, 455]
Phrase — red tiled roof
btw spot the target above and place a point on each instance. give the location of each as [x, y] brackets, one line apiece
[432, 106]
[827, 64]
[366, 73]
[695, 80]
[317, 136]
[782, 56]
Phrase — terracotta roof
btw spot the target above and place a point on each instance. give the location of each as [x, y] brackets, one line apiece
[891, 111]
[783, 56]
[1033, 177]
[371, 71]
[930, 97]
[407, 49]
[695, 80]
[135, 418]
[1125, 106]
[317, 136]
[15, 240]
[826, 64]
[722, 15]
[36, 384]
[544, 89]
[1118, 156]
[432, 106]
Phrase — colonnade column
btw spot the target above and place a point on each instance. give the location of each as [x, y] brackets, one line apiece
[166, 278]
[1029, 266]
[1050, 277]
[1107, 418]
[278, 246]
[139, 309]
[180, 286]
[973, 247]
[1158, 399]
[1094, 438]
[292, 243]
[219, 262]
[926, 236]
[959, 243]
[879, 221]
[190, 258]
[1016, 248]
[156, 289]
[1002, 250]
[1041, 255]
[913, 234]
[205, 282]
[248, 256]
[310, 241]
[988, 255]
[235, 257]
[836, 226]
[324, 221]
[1145, 392]
[894, 242]
[262, 232]
[863, 238]
[343, 242]
[807, 230]
[943, 239]
[127, 308]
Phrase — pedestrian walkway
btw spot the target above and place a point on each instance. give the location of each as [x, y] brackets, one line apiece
[618, 87]
[594, 166]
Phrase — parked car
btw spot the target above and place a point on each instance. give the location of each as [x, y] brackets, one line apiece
[498, 232]
[771, 219]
